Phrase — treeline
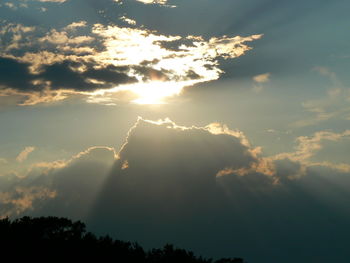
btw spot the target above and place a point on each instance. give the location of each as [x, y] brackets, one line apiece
[52, 239]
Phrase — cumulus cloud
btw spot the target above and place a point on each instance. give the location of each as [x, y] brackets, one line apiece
[98, 61]
[193, 186]
[60, 187]
[23, 155]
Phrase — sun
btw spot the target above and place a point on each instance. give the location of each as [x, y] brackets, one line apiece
[154, 92]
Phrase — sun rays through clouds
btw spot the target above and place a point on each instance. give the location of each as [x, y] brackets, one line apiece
[103, 63]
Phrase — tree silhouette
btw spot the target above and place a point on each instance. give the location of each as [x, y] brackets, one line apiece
[57, 239]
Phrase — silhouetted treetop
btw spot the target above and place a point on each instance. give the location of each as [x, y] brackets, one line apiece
[57, 239]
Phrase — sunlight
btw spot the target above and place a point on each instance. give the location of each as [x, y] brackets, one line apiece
[155, 92]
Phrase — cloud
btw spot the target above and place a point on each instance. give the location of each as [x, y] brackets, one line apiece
[194, 186]
[262, 78]
[153, 2]
[52, 185]
[128, 20]
[333, 105]
[10, 5]
[23, 155]
[59, 38]
[307, 148]
[160, 2]
[52, 1]
[76, 25]
[324, 71]
[106, 61]
[23, 199]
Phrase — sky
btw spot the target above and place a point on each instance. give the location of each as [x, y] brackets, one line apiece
[219, 126]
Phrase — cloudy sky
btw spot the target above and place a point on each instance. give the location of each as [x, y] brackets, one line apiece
[220, 126]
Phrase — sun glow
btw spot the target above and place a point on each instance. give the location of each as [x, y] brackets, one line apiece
[155, 92]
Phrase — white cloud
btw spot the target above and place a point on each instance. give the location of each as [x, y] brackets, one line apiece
[185, 65]
[128, 20]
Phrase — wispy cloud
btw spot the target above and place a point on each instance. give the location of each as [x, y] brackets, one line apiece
[262, 78]
[22, 199]
[23, 155]
[334, 104]
[160, 2]
[151, 2]
[308, 147]
[52, 1]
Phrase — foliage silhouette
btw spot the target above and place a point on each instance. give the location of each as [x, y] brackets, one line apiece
[52, 239]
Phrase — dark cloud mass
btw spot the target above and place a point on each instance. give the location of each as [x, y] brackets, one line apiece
[165, 187]
[15, 75]
[63, 76]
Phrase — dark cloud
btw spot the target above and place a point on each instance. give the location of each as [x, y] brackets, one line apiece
[63, 76]
[78, 183]
[164, 188]
[150, 73]
[66, 75]
[14, 74]
[177, 45]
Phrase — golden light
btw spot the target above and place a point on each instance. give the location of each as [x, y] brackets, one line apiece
[154, 92]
